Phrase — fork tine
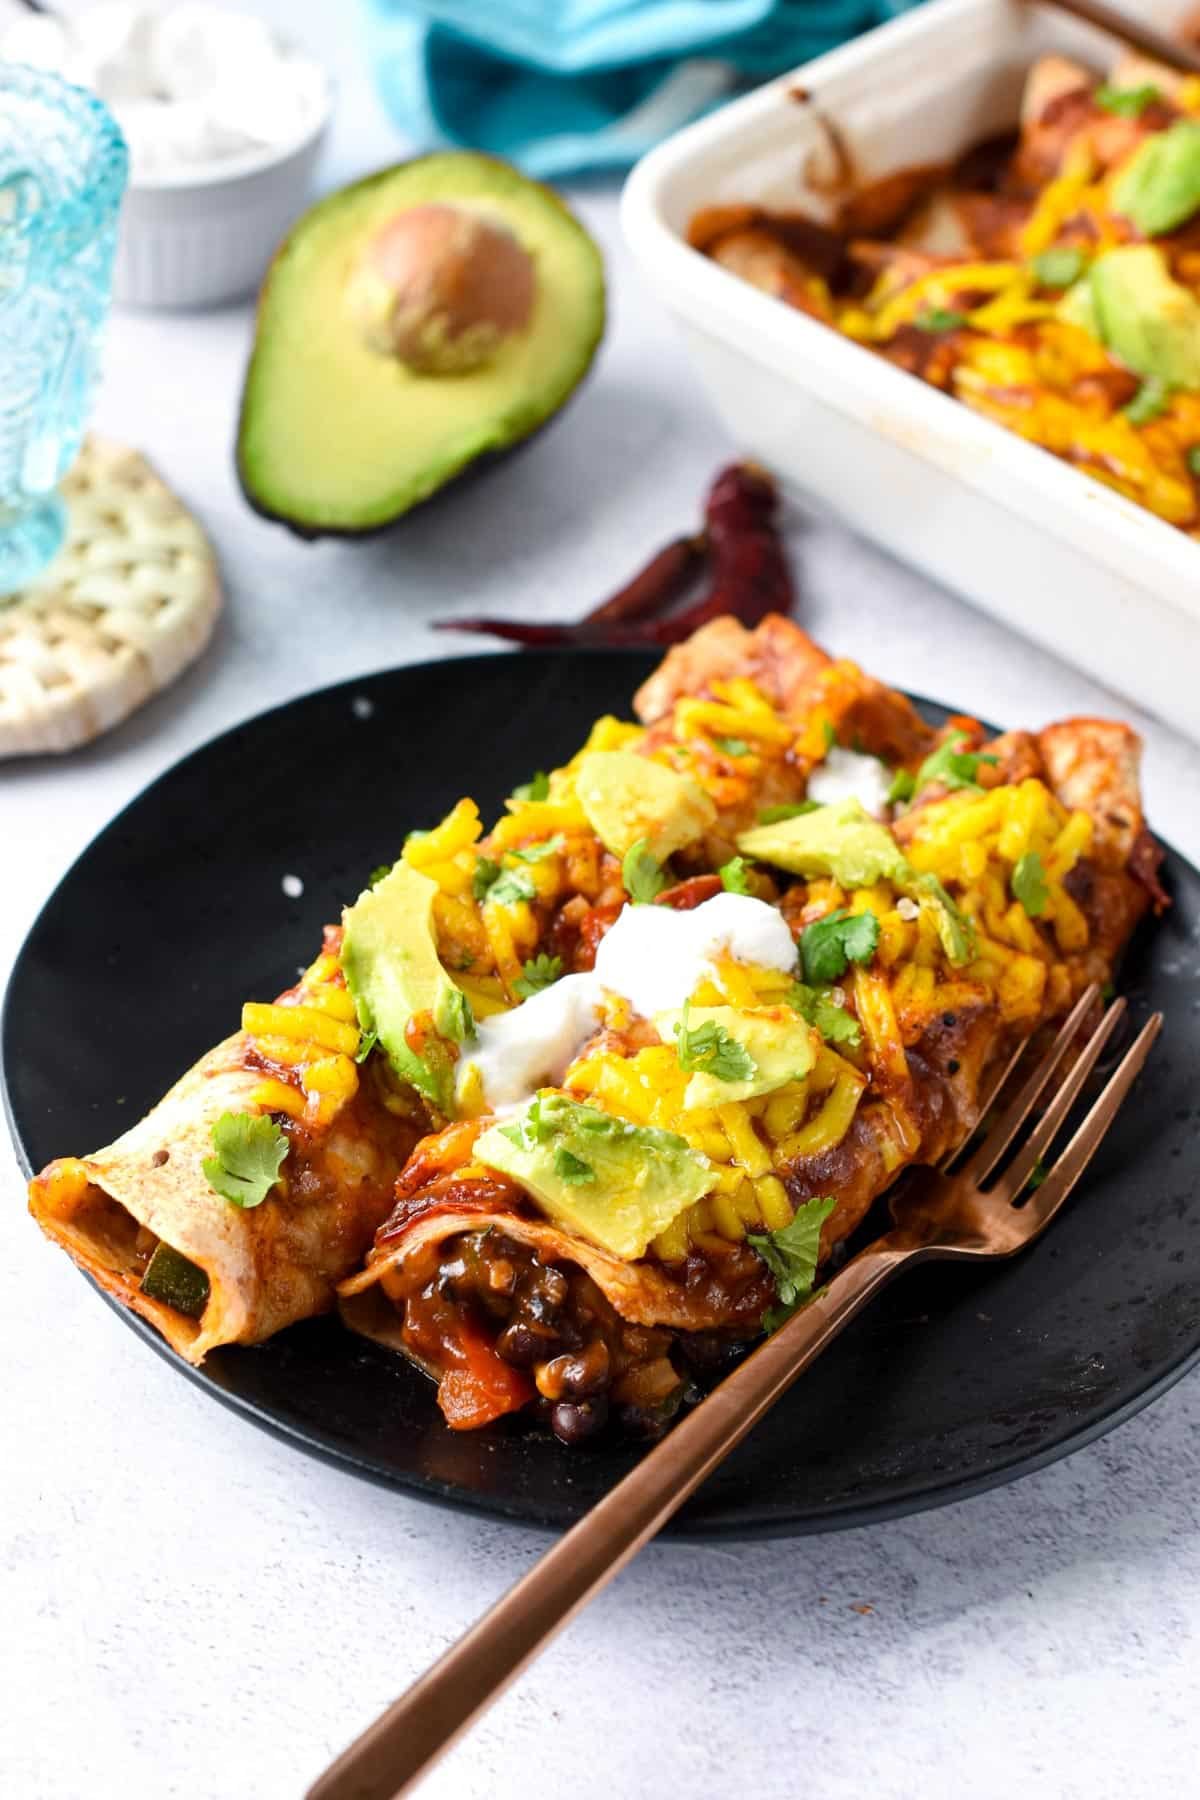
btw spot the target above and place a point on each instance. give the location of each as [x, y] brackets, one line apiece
[1048, 1126]
[1047, 1199]
[1013, 1117]
[988, 1099]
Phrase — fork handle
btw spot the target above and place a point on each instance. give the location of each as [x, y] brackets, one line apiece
[404, 1741]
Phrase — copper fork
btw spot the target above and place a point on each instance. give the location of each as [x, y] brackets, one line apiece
[974, 1207]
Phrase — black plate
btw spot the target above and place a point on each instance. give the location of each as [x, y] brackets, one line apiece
[952, 1382]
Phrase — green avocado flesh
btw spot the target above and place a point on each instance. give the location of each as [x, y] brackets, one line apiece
[615, 1183]
[336, 436]
[175, 1281]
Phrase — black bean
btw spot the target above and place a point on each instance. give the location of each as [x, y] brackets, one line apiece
[523, 1342]
[574, 1421]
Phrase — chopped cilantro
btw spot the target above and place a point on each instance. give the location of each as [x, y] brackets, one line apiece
[454, 1017]
[642, 874]
[377, 874]
[250, 1151]
[828, 733]
[733, 876]
[793, 809]
[1029, 884]
[541, 972]
[951, 765]
[571, 1168]
[954, 928]
[791, 1254]
[904, 786]
[829, 944]
[1059, 266]
[1193, 460]
[835, 1024]
[510, 887]
[538, 852]
[939, 318]
[710, 1050]
[1151, 399]
[1037, 1175]
[486, 873]
[537, 789]
[732, 746]
[1127, 103]
[366, 1044]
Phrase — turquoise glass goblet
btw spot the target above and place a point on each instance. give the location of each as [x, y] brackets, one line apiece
[63, 166]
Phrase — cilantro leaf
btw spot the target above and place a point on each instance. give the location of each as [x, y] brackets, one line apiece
[732, 746]
[541, 972]
[1059, 266]
[1029, 884]
[828, 733]
[791, 1254]
[829, 944]
[571, 1168]
[835, 1024]
[537, 789]
[794, 809]
[539, 852]
[1193, 460]
[904, 786]
[733, 876]
[954, 928]
[510, 887]
[642, 874]
[1126, 103]
[939, 318]
[1151, 399]
[486, 872]
[366, 1044]
[454, 1017]
[710, 1050]
[951, 765]
[378, 873]
[250, 1151]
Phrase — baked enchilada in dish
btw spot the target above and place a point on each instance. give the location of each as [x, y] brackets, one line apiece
[1051, 283]
[570, 1110]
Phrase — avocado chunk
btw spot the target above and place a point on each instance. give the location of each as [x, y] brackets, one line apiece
[779, 1046]
[843, 842]
[409, 324]
[1159, 187]
[175, 1281]
[614, 1183]
[1145, 317]
[631, 799]
[391, 964]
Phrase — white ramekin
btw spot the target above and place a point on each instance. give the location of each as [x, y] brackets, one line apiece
[195, 238]
[1067, 561]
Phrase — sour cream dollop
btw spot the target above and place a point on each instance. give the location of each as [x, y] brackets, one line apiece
[848, 775]
[191, 86]
[653, 957]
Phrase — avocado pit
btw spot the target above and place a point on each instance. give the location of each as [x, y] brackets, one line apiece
[442, 289]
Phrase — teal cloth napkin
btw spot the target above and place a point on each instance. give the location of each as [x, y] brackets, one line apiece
[564, 85]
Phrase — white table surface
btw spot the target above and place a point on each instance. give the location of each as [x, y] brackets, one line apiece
[191, 1609]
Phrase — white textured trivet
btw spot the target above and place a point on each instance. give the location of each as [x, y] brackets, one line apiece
[129, 601]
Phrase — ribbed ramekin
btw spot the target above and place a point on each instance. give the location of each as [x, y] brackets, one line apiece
[190, 239]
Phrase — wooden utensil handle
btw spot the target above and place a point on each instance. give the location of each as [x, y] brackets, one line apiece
[402, 1744]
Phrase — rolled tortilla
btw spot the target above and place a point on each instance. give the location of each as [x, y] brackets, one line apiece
[267, 1266]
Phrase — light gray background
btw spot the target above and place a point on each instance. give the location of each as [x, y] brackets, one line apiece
[190, 1609]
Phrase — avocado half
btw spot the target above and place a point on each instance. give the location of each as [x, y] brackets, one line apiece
[336, 434]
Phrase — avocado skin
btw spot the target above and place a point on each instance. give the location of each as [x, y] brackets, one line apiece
[477, 465]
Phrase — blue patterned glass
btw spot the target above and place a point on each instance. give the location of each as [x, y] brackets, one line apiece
[63, 165]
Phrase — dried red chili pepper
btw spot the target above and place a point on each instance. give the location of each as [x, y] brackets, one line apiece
[750, 578]
[663, 580]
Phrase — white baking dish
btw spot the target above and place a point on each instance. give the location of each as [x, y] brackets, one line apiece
[1062, 558]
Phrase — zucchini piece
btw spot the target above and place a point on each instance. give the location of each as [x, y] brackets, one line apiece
[175, 1281]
